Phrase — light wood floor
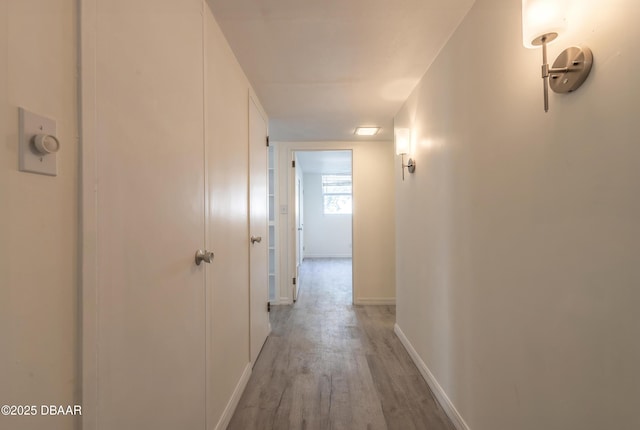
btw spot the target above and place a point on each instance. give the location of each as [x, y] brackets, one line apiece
[330, 365]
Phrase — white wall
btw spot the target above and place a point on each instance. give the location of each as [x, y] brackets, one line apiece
[518, 235]
[373, 214]
[324, 235]
[38, 214]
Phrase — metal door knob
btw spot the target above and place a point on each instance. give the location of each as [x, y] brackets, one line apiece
[206, 256]
[255, 239]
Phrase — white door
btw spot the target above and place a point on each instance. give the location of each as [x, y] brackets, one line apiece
[299, 227]
[300, 222]
[258, 225]
[150, 211]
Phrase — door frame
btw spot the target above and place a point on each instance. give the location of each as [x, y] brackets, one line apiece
[292, 252]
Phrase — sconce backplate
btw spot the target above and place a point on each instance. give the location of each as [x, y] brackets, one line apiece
[411, 165]
[578, 62]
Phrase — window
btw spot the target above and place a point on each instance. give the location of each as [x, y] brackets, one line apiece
[336, 192]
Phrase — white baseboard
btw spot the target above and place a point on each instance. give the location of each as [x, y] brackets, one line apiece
[438, 391]
[375, 301]
[235, 398]
[327, 255]
[282, 301]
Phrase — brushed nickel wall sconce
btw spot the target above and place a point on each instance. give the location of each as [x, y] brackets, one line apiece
[542, 21]
[403, 145]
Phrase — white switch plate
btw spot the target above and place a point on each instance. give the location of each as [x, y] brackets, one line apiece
[31, 160]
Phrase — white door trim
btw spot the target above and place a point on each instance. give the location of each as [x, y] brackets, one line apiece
[291, 251]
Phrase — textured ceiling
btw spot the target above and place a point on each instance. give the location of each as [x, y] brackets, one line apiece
[323, 67]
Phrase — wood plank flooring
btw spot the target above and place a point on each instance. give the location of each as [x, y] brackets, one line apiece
[330, 365]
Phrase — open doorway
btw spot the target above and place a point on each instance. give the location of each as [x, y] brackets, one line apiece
[323, 208]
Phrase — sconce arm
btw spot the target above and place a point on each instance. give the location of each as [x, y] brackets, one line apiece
[577, 62]
[550, 71]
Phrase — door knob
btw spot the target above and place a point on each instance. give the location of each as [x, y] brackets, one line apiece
[255, 239]
[206, 256]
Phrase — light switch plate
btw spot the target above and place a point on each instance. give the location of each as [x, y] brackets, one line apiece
[31, 160]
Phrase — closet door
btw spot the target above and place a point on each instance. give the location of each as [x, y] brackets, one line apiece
[258, 225]
[151, 294]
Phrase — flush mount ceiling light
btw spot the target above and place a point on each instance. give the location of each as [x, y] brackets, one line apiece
[542, 21]
[366, 131]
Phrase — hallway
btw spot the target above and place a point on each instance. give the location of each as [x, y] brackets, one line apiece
[330, 365]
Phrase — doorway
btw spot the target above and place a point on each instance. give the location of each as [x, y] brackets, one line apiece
[323, 210]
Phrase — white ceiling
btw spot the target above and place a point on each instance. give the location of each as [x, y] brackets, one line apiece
[325, 162]
[323, 67]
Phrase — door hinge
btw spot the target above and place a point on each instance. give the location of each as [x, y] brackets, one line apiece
[268, 306]
[293, 163]
[294, 281]
[267, 140]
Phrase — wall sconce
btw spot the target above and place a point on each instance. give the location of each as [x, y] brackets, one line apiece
[403, 144]
[542, 21]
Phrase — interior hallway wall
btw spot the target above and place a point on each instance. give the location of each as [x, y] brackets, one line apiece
[38, 214]
[518, 235]
[325, 235]
[373, 218]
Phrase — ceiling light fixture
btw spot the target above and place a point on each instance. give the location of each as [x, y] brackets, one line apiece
[542, 21]
[367, 131]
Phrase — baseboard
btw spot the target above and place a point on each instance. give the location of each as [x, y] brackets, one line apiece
[235, 398]
[282, 301]
[438, 391]
[327, 255]
[375, 301]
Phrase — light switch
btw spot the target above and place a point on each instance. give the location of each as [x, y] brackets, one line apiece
[37, 144]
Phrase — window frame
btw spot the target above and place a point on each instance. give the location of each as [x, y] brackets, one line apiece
[336, 183]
